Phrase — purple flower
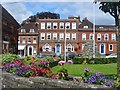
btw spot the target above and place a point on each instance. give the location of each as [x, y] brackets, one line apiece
[98, 74]
[86, 69]
[43, 62]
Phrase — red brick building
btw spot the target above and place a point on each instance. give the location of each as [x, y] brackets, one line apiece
[9, 33]
[51, 38]
[105, 37]
[28, 39]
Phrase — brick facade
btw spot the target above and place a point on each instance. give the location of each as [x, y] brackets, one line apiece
[50, 34]
[9, 33]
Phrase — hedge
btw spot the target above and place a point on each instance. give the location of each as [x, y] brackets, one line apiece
[78, 60]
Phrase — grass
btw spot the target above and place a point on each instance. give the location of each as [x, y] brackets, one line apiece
[78, 69]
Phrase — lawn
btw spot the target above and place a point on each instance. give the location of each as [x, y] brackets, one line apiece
[77, 69]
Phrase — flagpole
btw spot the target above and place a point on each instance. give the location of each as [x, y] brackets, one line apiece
[93, 31]
[65, 46]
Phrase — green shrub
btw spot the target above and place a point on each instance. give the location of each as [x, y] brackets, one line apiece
[49, 58]
[62, 73]
[62, 58]
[27, 60]
[7, 58]
[78, 60]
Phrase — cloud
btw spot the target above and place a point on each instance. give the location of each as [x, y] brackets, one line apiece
[48, 1]
[18, 11]
[23, 10]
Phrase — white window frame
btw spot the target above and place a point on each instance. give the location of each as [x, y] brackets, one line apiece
[61, 36]
[61, 24]
[73, 36]
[46, 47]
[48, 35]
[67, 36]
[48, 24]
[85, 26]
[29, 38]
[73, 25]
[35, 51]
[83, 36]
[91, 35]
[42, 35]
[106, 36]
[113, 36]
[99, 36]
[110, 47]
[55, 24]
[34, 40]
[67, 24]
[42, 25]
[69, 46]
[54, 36]
[23, 30]
[23, 41]
[32, 30]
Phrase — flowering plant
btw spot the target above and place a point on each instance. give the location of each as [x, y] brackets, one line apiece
[70, 61]
[28, 70]
[62, 73]
[96, 78]
[61, 63]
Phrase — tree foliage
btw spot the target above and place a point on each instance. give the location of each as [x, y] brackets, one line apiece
[42, 15]
[110, 7]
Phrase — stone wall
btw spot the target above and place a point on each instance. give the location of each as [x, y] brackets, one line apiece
[13, 81]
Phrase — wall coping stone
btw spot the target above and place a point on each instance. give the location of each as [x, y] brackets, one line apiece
[12, 80]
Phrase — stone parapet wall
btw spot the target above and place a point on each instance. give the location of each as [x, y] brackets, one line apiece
[13, 81]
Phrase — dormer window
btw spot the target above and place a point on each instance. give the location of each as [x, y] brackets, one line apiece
[85, 26]
[31, 30]
[23, 31]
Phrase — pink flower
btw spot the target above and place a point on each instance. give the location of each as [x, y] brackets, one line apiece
[70, 61]
[61, 62]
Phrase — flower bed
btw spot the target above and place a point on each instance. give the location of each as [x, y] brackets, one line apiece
[29, 67]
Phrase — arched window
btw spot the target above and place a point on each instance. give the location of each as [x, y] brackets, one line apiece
[70, 48]
[30, 50]
[46, 47]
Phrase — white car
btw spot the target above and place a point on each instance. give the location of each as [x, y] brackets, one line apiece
[114, 55]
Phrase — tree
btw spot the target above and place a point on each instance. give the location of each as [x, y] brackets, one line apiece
[42, 15]
[113, 8]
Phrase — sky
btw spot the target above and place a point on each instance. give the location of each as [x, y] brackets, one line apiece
[21, 10]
